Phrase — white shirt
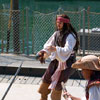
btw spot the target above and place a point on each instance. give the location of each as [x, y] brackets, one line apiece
[62, 53]
[94, 93]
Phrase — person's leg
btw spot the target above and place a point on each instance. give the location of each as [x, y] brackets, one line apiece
[44, 91]
[56, 94]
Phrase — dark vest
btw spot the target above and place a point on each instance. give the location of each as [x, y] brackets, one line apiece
[60, 39]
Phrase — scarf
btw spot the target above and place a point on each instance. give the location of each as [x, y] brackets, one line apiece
[55, 77]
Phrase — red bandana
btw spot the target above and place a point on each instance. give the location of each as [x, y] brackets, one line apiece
[64, 20]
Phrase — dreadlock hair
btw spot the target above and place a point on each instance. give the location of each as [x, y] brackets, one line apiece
[68, 29]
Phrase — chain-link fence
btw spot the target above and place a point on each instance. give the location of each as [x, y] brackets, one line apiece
[26, 31]
[44, 26]
[11, 31]
[93, 36]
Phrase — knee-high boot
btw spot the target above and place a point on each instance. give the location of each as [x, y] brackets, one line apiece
[56, 94]
[44, 91]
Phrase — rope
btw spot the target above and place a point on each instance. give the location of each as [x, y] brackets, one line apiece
[44, 13]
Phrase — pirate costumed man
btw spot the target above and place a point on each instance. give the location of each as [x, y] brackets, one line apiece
[61, 47]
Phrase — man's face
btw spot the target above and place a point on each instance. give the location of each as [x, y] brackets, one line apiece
[87, 73]
[59, 25]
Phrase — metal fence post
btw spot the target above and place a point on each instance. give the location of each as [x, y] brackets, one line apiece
[60, 10]
[83, 39]
[27, 30]
[16, 22]
[33, 35]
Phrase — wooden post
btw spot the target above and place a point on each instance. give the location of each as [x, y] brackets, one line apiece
[16, 37]
[9, 27]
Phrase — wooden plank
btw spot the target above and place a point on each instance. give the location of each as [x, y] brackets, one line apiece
[76, 82]
[37, 80]
[24, 80]
[83, 83]
[9, 81]
[6, 78]
[2, 77]
[19, 79]
[40, 81]
[30, 80]
[69, 82]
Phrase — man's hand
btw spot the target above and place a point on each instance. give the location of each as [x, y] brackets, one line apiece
[41, 56]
